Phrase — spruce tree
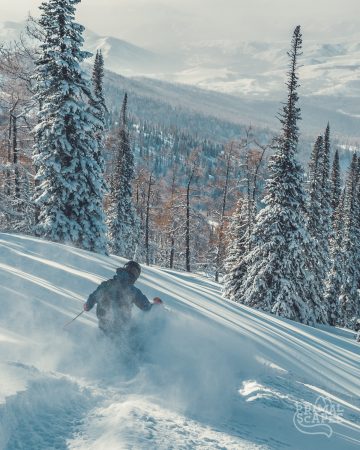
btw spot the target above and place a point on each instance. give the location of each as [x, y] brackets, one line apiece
[335, 279]
[98, 82]
[326, 210]
[98, 99]
[318, 225]
[238, 248]
[335, 185]
[349, 295]
[123, 223]
[325, 169]
[315, 191]
[98, 103]
[320, 205]
[70, 186]
[320, 211]
[279, 265]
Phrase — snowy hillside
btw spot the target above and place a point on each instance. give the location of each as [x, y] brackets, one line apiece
[124, 57]
[240, 82]
[210, 374]
[259, 112]
[256, 68]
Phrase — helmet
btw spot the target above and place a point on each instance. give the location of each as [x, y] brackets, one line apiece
[133, 268]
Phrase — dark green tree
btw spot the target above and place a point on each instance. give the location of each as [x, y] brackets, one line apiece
[69, 175]
[122, 220]
[279, 275]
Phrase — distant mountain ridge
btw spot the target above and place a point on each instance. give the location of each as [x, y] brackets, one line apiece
[122, 56]
[236, 82]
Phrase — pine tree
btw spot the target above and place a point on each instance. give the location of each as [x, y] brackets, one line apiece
[70, 186]
[318, 225]
[123, 223]
[98, 82]
[325, 165]
[320, 195]
[98, 99]
[335, 279]
[278, 277]
[238, 248]
[335, 185]
[349, 295]
[315, 191]
[320, 211]
[326, 194]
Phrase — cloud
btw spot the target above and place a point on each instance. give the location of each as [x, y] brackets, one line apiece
[168, 23]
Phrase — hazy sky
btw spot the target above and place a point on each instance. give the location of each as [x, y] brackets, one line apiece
[167, 22]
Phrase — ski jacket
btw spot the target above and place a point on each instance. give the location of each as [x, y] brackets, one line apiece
[114, 299]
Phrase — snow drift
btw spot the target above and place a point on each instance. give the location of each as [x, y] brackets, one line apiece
[203, 373]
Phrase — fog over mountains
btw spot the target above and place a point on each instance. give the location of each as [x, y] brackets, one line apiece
[245, 68]
[253, 71]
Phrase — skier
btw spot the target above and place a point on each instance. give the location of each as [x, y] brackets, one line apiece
[115, 298]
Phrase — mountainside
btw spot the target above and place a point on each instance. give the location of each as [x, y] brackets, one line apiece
[170, 99]
[257, 68]
[203, 374]
[121, 56]
[247, 69]
[241, 83]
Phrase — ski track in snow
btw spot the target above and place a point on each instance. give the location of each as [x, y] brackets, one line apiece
[202, 374]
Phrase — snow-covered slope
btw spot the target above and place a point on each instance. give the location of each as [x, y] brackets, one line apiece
[206, 373]
[122, 56]
[257, 69]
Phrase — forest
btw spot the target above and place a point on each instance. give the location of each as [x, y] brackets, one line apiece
[86, 163]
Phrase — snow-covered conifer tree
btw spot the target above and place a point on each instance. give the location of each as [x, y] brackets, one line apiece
[70, 183]
[334, 281]
[239, 246]
[335, 185]
[326, 194]
[349, 295]
[98, 99]
[314, 188]
[123, 223]
[279, 266]
[318, 224]
[320, 208]
[320, 212]
[98, 83]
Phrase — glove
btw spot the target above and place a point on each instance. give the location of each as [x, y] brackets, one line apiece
[157, 301]
[86, 308]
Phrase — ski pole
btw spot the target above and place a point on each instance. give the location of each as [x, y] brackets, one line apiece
[71, 321]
